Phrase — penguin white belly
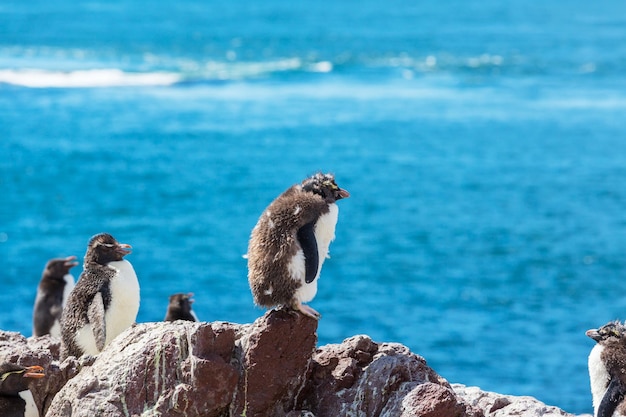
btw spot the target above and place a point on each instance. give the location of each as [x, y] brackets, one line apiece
[31, 407]
[122, 311]
[69, 286]
[86, 340]
[598, 375]
[324, 234]
[55, 330]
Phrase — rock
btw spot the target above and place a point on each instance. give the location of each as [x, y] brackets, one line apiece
[191, 369]
[276, 353]
[268, 368]
[362, 378]
[498, 405]
[43, 351]
[160, 369]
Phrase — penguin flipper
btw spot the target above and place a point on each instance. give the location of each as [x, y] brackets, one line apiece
[95, 314]
[612, 397]
[306, 237]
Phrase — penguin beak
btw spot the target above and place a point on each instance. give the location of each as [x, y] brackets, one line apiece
[124, 249]
[594, 334]
[343, 193]
[35, 371]
[70, 262]
[189, 296]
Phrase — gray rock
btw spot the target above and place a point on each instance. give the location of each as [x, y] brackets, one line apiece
[498, 405]
[268, 368]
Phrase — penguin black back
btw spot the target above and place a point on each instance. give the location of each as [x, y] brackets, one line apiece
[179, 308]
[54, 288]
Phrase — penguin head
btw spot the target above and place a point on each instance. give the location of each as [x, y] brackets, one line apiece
[16, 378]
[325, 186]
[103, 248]
[611, 332]
[181, 302]
[59, 267]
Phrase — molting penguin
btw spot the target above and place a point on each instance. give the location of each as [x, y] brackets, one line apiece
[105, 300]
[54, 287]
[179, 308]
[607, 369]
[16, 400]
[290, 242]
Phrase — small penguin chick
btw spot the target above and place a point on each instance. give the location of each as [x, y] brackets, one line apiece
[290, 242]
[15, 396]
[54, 287]
[607, 369]
[105, 300]
[179, 308]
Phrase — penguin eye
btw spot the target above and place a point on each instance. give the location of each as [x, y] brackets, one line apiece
[108, 245]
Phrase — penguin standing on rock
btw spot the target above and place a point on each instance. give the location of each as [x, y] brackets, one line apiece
[105, 300]
[607, 369]
[179, 308]
[54, 287]
[16, 400]
[290, 242]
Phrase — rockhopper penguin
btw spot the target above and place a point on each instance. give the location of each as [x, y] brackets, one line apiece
[179, 308]
[54, 287]
[16, 400]
[290, 242]
[105, 300]
[607, 369]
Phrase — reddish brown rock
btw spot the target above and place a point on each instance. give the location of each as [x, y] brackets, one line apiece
[276, 353]
[362, 378]
[268, 368]
[42, 351]
[163, 369]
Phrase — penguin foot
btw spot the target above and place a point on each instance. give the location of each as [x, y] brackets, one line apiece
[307, 311]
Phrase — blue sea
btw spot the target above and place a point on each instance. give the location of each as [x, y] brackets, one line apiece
[483, 144]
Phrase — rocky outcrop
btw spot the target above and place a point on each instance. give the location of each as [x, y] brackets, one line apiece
[498, 405]
[362, 378]
[268, 368]
[43, 351]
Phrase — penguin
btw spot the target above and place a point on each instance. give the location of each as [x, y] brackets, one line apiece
[290, 241]
[179, 308]
[607, 369]
[54, 287]
[105, 300]
[16, 400]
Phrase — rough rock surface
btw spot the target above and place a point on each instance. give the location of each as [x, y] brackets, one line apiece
[363, 378]
[43, 351]
[498, 405]
[268, 368]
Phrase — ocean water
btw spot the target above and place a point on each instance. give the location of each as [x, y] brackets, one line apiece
[483, 144]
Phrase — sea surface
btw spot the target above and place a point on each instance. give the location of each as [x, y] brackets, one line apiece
[483, 144]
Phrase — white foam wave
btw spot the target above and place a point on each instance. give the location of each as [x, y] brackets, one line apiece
[38, 78]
